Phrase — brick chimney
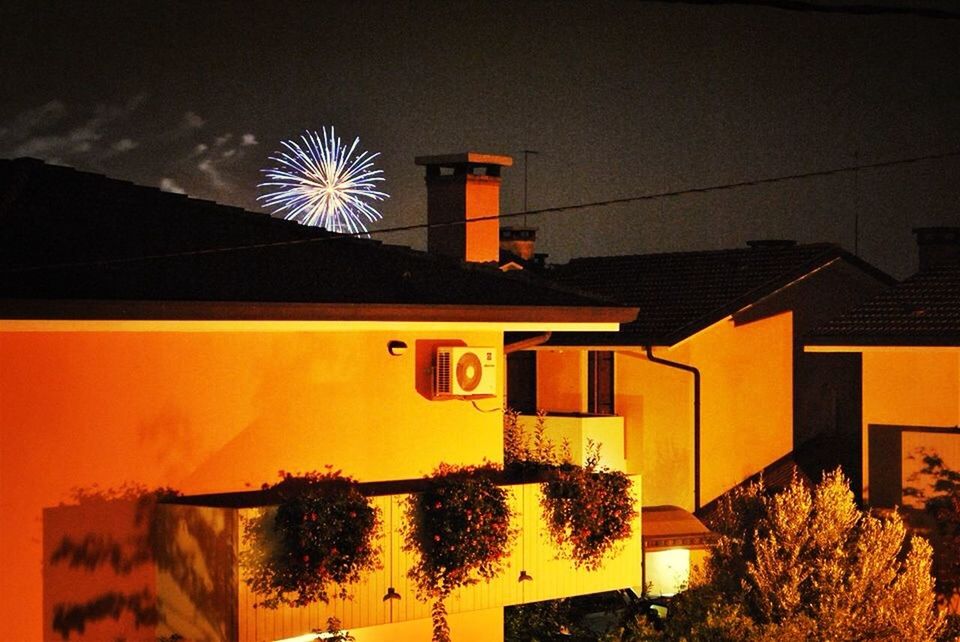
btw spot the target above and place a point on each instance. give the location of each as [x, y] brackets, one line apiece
[939, 246]
[461, 188]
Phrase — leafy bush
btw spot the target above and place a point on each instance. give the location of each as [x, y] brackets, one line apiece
[323, 532]
[588, 510]
[460, 529]
[808, 564]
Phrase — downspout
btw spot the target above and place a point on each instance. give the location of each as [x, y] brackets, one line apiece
[530, 342]
[696, 418]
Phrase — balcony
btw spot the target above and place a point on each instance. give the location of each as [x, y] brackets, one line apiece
[202, 594]
[578, 429]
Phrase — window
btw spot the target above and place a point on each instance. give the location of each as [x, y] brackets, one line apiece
[600, 382]
[522, 381]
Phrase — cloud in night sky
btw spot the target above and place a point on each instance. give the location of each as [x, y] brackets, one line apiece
[124, 145]
[217, 160]
[189, 158]
[193, 120]
[34, 120]
[43, 132]
[169, 185]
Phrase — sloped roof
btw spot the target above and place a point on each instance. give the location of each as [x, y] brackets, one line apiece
[70, 235]
[667, 527]
[924, 310]
[681, 293]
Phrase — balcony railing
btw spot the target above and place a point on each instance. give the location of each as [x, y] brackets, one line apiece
[193, 606]
[578, 429]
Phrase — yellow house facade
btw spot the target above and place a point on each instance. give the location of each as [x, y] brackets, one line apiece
[906, 342]
[704, 383]
[211, 371]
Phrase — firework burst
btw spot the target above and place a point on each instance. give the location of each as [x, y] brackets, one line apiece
[323, 183]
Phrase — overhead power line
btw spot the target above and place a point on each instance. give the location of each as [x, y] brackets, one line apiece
[862, 9]
[537, 212]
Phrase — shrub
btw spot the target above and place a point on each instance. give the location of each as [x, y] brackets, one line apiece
[808, 564]
[323, 532]
[460, 529]
[588, 510]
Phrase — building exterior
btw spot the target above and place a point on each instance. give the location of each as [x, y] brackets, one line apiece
[906, 345]
[148, 338]
[709, 386]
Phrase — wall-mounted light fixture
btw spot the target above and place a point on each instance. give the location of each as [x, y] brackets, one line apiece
[391, 594]
[396, 348]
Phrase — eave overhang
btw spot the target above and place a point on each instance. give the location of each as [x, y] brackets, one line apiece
[54, 315]
[666, 527]
[883, 345]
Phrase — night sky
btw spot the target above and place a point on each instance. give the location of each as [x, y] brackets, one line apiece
[619, 98]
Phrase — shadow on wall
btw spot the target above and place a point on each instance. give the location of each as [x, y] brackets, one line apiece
[108, 555]
[933, 489]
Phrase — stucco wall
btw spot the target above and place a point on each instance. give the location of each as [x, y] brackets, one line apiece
[746, 405]
[207, 412]
[909, 387]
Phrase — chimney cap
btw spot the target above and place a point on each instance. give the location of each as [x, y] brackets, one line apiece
[465, 158]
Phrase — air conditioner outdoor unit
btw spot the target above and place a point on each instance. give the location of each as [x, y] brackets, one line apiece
[465, 373]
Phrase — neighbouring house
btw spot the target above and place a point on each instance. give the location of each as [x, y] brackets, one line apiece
[154, 339]
[709, 386]
[905, 344]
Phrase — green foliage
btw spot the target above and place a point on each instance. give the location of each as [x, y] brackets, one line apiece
[588, 510]
[808, 564]
[323, 532]
[939, 490]
[334, 632]
[522, 452]
[608, 617]
[460, 529]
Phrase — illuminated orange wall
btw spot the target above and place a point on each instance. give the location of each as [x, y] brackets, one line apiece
[652, 398]
[747, 379]
[746, 397]
[562, 380]
[210, 411]
[909, 387]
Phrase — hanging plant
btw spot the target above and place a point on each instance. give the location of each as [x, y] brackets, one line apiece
[323, 532]
[460, 529]
[588, 510]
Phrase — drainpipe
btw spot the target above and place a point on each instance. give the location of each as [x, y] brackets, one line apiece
[696, 418]
[530, 342]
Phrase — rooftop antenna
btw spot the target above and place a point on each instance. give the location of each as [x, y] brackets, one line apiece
[526, 155]
[856, 204]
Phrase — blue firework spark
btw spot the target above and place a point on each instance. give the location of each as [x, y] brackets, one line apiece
[319, 181]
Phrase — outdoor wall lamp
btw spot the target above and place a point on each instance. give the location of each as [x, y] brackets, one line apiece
[391, 594]
[396, 348]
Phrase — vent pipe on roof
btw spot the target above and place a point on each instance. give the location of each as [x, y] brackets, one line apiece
[519, 241]
[939, 247]
[463, 201]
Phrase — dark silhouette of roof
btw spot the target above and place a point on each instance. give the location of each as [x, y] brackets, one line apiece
[681, 293]
[922, 310]
[74, 235]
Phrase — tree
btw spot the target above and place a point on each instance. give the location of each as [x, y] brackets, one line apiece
[808, 564]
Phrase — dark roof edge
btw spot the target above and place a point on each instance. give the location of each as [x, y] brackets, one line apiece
[830, 254]
[29, 309]
[880, 341]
